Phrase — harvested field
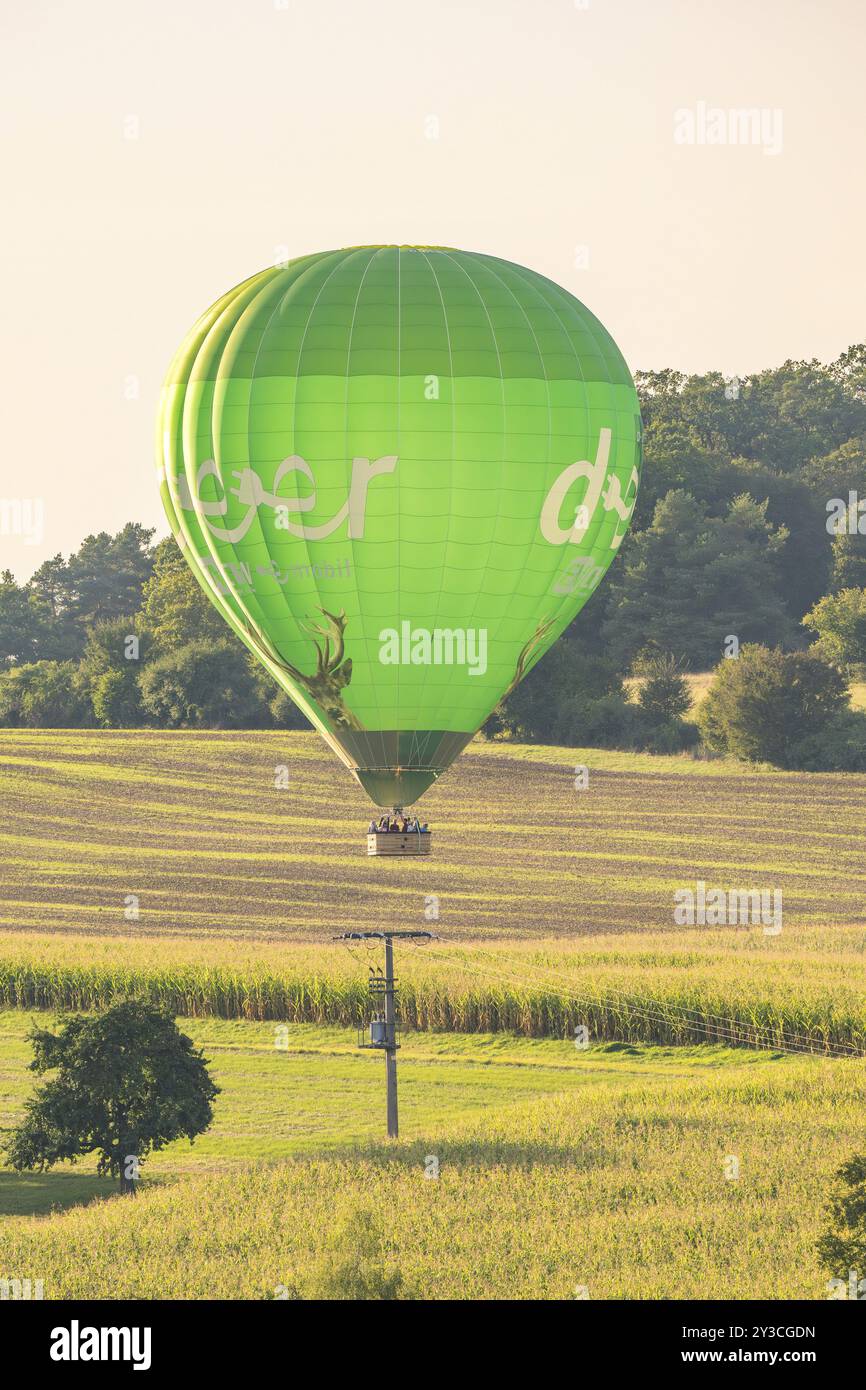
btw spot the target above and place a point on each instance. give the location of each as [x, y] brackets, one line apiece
[193, 827]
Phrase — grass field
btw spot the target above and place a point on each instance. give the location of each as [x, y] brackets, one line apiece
[609, 1169]
[317, 1091]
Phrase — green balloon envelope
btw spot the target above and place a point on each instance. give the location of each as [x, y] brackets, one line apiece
[398, 472]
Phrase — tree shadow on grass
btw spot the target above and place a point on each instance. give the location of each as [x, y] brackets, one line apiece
[37, 1194]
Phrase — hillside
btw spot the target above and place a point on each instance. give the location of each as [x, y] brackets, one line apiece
[192, 826]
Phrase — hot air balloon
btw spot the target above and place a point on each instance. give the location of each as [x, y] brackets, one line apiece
[399, 472]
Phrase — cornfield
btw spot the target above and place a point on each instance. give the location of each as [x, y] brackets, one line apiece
[619, 989]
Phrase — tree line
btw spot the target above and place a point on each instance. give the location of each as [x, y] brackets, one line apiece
[747, 554]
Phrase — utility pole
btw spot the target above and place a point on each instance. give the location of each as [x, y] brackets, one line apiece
[382, 1034]
[390, 1040]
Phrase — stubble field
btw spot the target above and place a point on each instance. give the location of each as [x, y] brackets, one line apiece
[193, 827]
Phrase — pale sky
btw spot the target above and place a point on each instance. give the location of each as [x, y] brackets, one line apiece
[157, 153]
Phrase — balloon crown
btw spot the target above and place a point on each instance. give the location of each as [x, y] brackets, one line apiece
[395, 246]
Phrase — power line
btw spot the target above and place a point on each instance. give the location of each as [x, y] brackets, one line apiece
[726, 1028]
[722, 1027]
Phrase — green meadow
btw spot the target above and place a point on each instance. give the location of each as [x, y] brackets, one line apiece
[624, 1171]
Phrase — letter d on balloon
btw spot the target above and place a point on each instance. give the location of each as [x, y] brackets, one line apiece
[594, 474]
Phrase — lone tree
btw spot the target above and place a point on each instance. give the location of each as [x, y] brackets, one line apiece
[842, 1248]
[762, 706]
[664, 693]
[127, 1081]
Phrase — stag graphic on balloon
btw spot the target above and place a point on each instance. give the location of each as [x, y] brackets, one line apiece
[399, 472]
